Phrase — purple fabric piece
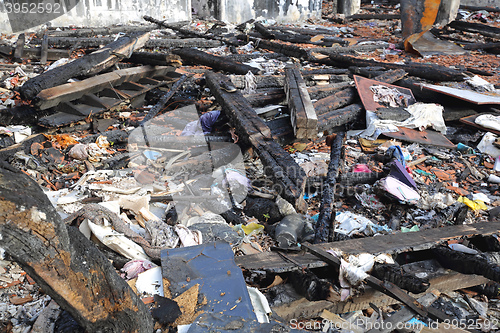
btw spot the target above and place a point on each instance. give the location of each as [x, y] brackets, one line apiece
[208, 120]
[399, 172]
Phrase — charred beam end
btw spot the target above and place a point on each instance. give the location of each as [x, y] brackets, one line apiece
[63, 262]
[394, 273]
[155, 110]
[323, 228]
[467, 263]
[427, 71]
[289, 177]
[216, 62]
[98, 60]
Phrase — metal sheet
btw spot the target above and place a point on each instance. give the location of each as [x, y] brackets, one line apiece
[211, 266]
[466, 95]
[428, 45]
[363, 86]
[471, 121]
[428, 137]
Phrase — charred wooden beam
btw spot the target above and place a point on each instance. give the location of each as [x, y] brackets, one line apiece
[50, 97]
[427, 71]
[340, 117]
[324, 225]
[264, 97]
[478, 8]
[488, 47]
[467, 263]
[155, 110]
[63, 262]
[385, 287]
[288, 50]
[36, 53]
[86, 65]
[92, 32]
[303, 116]
[287, 174]
[483, 29]
[154, 58]
[188, 32]
[96, 42]
[395, 274]
[218, 63]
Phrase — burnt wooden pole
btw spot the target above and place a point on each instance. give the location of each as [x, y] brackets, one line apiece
[63, 262]
[324, 225]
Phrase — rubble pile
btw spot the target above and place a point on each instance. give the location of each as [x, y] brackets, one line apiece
[332, 175]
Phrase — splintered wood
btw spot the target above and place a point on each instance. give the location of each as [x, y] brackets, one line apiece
[303, 116]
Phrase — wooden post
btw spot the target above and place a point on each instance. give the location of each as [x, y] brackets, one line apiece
[302, 113]
[63, 262]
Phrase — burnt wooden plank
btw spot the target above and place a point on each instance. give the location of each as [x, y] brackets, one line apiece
[431, 72]
[87, 65]
[51, 97]
[63, 262]
[198, 57]
[288, 175]
[392, 244]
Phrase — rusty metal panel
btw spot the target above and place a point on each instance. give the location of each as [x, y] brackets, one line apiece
[427, 137]
[363, 86]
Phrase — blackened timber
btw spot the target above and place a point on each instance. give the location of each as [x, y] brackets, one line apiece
[322, 91]
[479, 8]
[69, 268]
[286, 49]
[467, 263]
[71, 42]
[324, 226]
[264, 31]
[340, 117]
[426, 71]
[154, 58]
[382, 286]
[488, 47]
[483, 29]
[288, 175]
[187, 31]
[218, 63]
[264, 97]
[155, 110]
[89, 64]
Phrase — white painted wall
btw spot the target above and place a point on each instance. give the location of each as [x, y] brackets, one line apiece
[103, 13]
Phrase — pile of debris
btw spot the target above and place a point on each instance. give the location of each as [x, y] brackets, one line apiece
[340, 175]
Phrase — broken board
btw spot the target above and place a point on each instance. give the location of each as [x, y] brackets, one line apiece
[471, 121]
[392, 244]
[427, 137]
[466, 95]
[90, 104]
[367, 96]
